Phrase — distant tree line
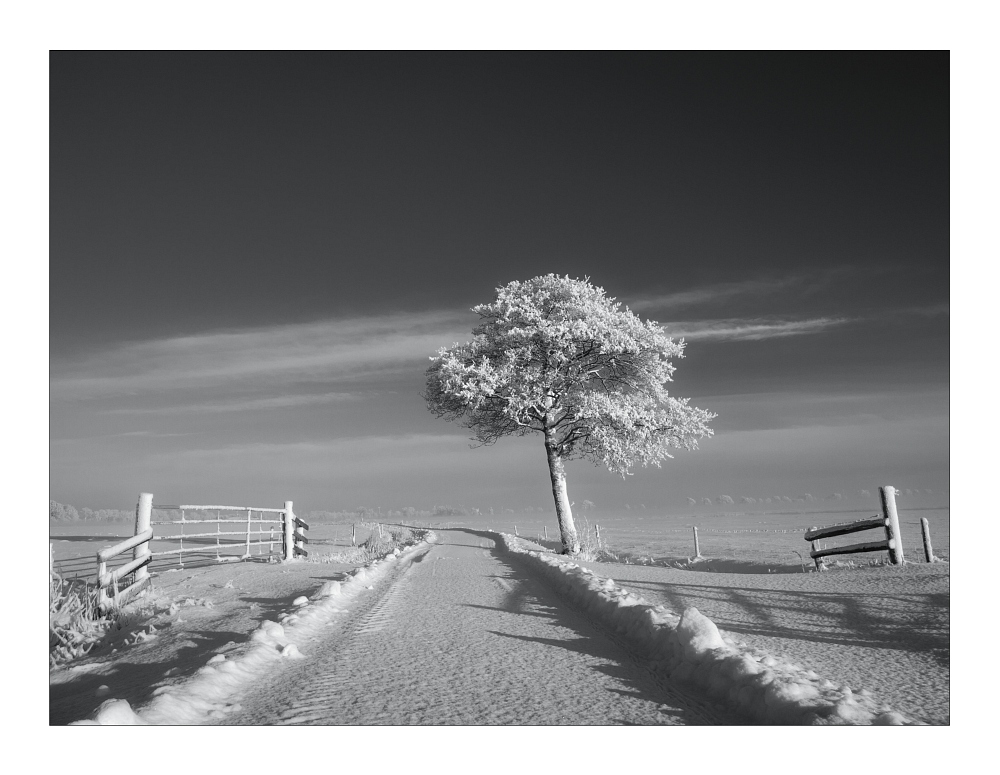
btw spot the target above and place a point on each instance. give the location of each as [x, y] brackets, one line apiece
[369, 514]
[60, 512]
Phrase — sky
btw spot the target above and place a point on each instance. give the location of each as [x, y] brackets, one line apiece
[253, 257]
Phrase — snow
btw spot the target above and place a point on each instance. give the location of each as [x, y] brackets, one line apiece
[683, 645]
[698, 634]
[691, 650]
[207, 696]
[114, 713]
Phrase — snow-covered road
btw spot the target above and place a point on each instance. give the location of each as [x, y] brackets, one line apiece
[461, 633]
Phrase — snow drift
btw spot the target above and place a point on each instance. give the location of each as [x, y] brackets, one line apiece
[209, 694]
[690, 650]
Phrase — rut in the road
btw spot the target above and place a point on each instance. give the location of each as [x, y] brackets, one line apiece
[463, 635]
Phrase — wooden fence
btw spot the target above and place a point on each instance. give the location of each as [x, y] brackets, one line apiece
[889, 521]
[119, 586]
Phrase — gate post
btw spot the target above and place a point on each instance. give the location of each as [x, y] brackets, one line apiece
[888, 495]
[288, 525]
[143, 518]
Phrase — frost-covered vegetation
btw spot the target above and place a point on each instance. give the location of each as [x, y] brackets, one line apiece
[74, 626]
[556, 356]
[60, 512]
[382, 541]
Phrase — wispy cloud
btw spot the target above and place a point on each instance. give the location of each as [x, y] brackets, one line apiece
[713, 294]
[263, 358]
[256, 404]
[144, 434]
[749, 329]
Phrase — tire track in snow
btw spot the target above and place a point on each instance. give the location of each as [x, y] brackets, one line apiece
[459, 636]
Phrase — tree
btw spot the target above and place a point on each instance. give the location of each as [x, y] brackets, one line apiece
[556, 356]
[59, 512]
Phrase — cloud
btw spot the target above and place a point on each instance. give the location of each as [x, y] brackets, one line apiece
[712, 294]
[749, 329]
[273, 356]
[800, 284]
[257, 404]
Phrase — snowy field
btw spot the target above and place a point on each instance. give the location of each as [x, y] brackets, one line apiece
[741, 542]
[738, 542]
[880, 630]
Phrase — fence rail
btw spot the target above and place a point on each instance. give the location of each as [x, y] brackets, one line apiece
[137, 569]
[257, 533]
[216, 521]
[119, 586]
[220, 508]
[889, 521]
[814, 534]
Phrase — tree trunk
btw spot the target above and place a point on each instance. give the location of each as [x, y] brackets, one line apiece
[567, 530]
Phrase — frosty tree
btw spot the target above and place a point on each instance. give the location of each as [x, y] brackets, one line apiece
[556, 356]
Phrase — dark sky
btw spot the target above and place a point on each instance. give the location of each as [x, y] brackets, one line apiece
[253, 255]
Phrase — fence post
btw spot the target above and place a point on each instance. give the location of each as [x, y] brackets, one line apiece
[820, 565]
[888, 495]
[598, 527]
[697, 548]
[925, 531]
[354, 534]
[289, 531]
[143, 517]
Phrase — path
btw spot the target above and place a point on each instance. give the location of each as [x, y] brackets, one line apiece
[464, 633]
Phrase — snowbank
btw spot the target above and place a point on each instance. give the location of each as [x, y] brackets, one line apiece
[690, 649]
[209, 694]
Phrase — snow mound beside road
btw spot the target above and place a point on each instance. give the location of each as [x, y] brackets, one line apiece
[690, 649]
[209, 694]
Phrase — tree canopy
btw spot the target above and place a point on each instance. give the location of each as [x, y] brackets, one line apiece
[556, 356]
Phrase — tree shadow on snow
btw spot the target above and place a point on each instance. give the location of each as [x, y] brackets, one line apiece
[133, 680]
[914, 623]
[74, 698]
[530, 595]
